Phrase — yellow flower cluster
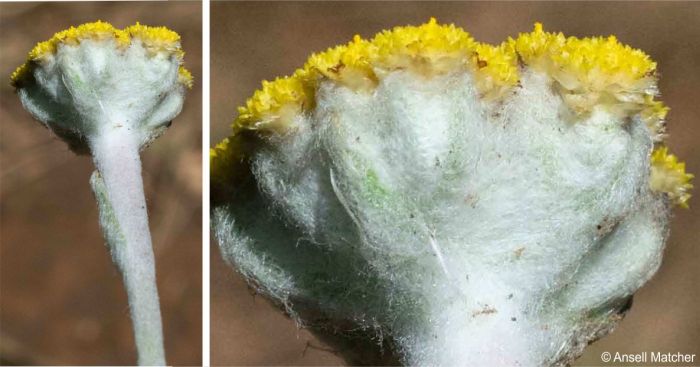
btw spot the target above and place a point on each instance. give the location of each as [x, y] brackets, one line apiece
[589, 72]
[595, 71]
[668, 175]
[598, 61]
[272, 105]
[184, 77]
[154, 39]
[429, 49]
[495, 68]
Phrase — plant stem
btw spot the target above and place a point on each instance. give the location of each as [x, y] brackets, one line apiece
[118, 188]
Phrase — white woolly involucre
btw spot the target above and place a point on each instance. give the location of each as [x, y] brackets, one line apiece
[466, 232]
[111, 103]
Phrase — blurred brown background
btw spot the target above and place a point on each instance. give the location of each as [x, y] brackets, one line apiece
[255, 41]
[61, 299]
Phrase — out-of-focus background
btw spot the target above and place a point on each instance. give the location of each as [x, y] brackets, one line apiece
[62, 301]
[252, 41]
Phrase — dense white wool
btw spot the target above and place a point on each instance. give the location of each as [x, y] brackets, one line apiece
[124, 221]
[468, 232]
[112, 103]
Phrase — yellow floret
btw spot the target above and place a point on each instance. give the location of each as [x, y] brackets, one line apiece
[154, 39]
[429, 49]
[350, 65]
[668, 176]
[591, 71]
[495, 68]
[184, 77]
[597, 62]
[275, 105]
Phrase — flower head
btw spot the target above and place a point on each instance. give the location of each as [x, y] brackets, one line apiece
[94, 76]
[589, 73]
[472, 202]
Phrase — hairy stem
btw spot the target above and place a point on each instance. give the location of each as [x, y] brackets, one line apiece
[119, 192]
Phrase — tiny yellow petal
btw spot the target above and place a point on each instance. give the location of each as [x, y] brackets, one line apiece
[184, 77]
[668, 176]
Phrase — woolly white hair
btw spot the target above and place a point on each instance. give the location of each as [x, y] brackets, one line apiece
[466, 232]
[111, 102]
[93, 88]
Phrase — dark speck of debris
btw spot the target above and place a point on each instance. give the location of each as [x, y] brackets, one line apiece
[336, 69]
[486, 310]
